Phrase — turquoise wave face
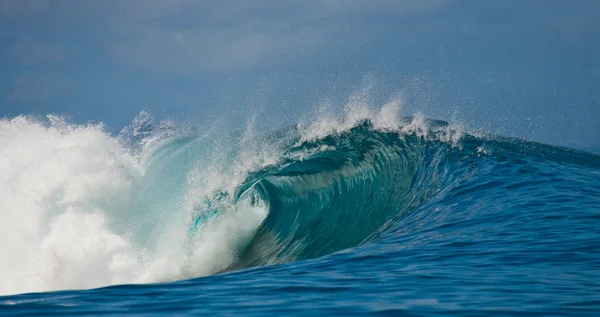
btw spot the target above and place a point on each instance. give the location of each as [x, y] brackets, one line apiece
[280, 198]
[348, 192]
[350, 188]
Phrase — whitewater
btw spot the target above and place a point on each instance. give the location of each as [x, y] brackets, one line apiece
[398, 213]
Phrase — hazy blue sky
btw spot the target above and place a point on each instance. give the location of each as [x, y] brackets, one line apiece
[521, 67]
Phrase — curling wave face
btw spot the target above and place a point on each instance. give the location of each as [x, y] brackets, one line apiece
[347, 191]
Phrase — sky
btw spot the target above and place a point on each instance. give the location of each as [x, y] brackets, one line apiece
[524, 68]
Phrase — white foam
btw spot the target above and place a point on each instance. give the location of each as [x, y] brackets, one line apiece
[58, 184]
[218, 245]
[65, 190]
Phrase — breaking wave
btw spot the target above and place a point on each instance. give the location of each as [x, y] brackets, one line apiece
[80, 208]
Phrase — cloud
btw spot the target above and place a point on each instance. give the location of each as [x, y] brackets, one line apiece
[271, 9]
[208, 48]
[189, 36]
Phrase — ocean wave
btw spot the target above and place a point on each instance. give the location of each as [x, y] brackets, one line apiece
[81, 208]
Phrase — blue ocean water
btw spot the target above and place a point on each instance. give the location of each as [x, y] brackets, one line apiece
[361, 217]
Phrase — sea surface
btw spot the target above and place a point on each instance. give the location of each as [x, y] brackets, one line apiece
[368, 213]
